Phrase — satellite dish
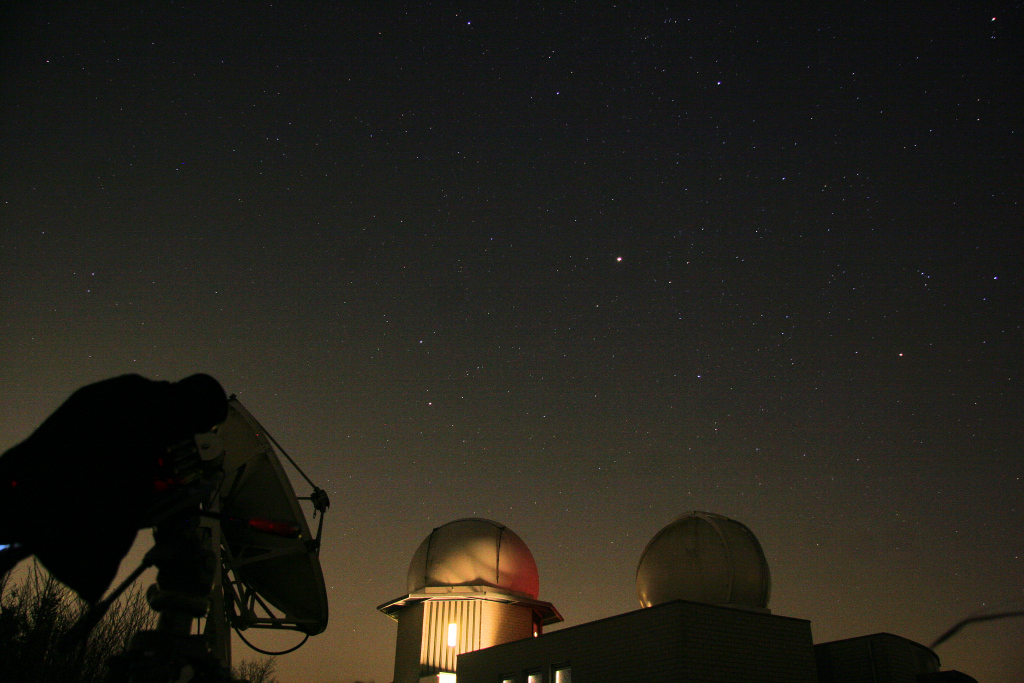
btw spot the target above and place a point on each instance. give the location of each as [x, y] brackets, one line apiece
[223, 495]
[268, 580]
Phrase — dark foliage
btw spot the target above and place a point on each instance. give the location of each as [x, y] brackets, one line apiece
[256, 670]
[35, 615]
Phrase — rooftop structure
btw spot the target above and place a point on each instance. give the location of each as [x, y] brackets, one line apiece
[704, 557]
[474, 552]
[703, 583]
[472, 583]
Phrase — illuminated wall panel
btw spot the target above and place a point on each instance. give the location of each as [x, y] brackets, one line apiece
[424, 629]
[435, 653]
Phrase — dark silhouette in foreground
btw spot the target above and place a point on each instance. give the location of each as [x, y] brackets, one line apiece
[37, 613]
[77, 490]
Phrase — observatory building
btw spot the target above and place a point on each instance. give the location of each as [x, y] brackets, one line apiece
[708, 558]
[472, 584]
[703, 584]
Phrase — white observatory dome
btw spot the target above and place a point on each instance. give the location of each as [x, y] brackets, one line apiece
[704, 557]
[474, 552]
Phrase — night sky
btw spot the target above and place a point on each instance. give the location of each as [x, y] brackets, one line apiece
[575, 268]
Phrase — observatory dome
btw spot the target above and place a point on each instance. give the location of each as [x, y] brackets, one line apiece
[704, 557]
[474, 552]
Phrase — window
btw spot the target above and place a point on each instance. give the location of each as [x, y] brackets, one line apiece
[453, 635]
[563, 674]
[445, 677]
[534, 677]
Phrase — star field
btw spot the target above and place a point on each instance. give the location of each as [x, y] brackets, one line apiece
[575, 269]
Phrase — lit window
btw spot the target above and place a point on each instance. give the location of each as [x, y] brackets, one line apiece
[445, 677]
[535, 677]
[453, 635]
[563, 675]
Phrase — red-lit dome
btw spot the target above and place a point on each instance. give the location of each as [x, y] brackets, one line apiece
[474, 552]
